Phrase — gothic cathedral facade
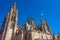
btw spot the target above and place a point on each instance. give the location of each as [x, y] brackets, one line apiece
[28, 31]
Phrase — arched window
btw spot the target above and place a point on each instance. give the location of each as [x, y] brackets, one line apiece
[13, 18]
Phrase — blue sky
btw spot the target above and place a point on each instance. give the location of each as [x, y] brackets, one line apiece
[47, 9]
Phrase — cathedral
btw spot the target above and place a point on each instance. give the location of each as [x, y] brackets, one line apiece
[29, 31]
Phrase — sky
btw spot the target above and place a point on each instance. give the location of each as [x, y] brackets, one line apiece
[49, 10]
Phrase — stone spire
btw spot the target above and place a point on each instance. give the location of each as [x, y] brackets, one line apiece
[14, 5]
[45, 26]
[9, 27]
[13, 9]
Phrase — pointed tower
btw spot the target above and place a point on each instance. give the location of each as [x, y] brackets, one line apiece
[10, 24]
[45, 27]
[30, 25]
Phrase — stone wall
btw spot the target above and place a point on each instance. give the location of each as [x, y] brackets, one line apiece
[37, 35]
